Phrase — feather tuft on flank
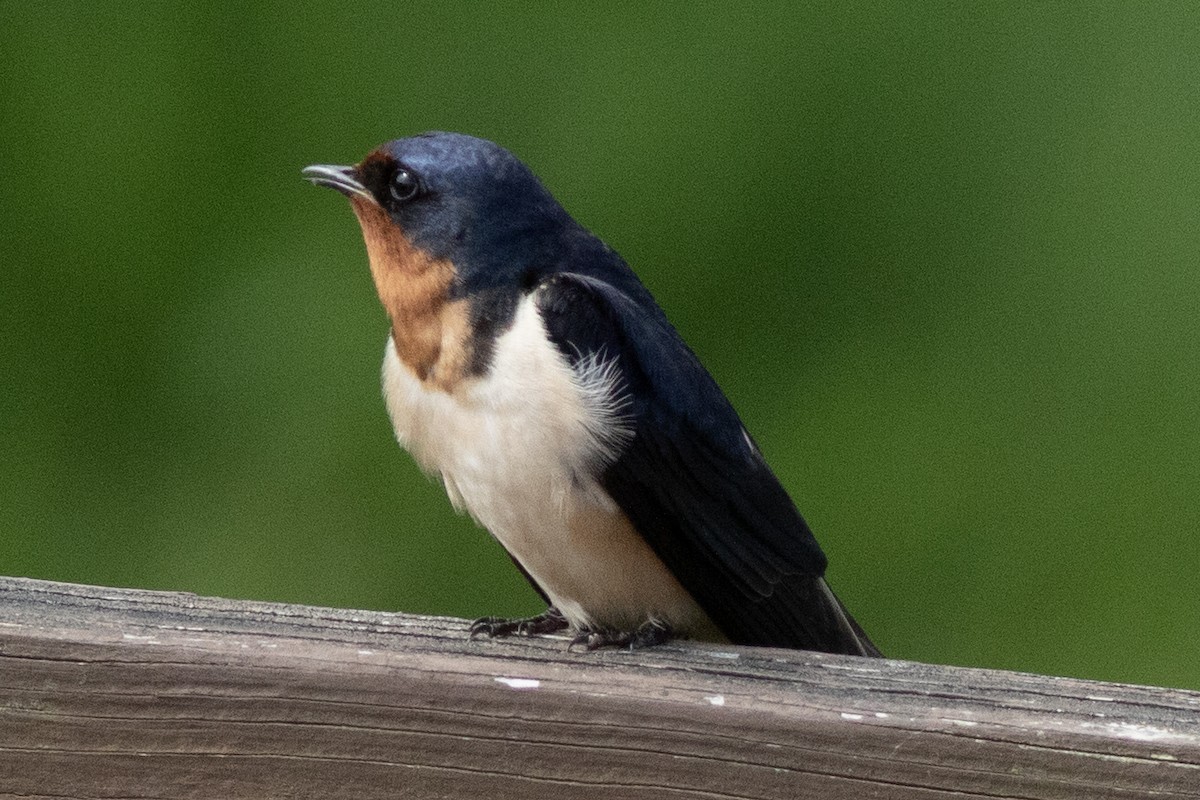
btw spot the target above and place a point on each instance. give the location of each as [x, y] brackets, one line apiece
[603, 392]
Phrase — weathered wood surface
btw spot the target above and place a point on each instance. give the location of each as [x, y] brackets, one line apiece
[116, 693]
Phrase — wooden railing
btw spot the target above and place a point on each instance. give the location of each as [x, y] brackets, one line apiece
[108, 693]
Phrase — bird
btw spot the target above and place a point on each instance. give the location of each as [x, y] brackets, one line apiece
[530, 369]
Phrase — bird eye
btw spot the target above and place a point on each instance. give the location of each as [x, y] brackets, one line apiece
[404, 186]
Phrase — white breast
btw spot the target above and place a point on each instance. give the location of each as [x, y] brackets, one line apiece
[518, 449]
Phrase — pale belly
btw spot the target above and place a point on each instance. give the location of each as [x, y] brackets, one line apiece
[518, 449]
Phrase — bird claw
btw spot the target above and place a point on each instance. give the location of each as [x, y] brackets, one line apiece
[650, 633]
[549, 621]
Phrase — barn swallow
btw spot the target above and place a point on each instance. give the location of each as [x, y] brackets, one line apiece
[530, 369]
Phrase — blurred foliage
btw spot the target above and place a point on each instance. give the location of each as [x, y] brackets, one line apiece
[943, 259]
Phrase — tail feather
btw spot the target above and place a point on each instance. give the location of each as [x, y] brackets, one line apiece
[854, 640]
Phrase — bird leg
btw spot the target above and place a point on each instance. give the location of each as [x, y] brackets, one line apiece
[650, 633]
[549, 621]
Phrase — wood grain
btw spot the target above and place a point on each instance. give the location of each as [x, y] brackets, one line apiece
[119, 693]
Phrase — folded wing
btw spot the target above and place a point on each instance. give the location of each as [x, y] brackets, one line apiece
[693, 482]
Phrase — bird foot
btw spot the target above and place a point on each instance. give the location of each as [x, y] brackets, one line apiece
[650, 633]
[549, 621]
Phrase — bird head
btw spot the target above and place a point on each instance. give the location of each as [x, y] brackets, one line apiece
[453, 200]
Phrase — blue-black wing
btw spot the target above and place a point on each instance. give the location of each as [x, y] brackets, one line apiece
[692, 481]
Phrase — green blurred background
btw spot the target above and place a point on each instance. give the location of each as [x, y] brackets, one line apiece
[943, 260]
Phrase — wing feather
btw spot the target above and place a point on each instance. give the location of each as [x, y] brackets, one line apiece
[692, 481]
